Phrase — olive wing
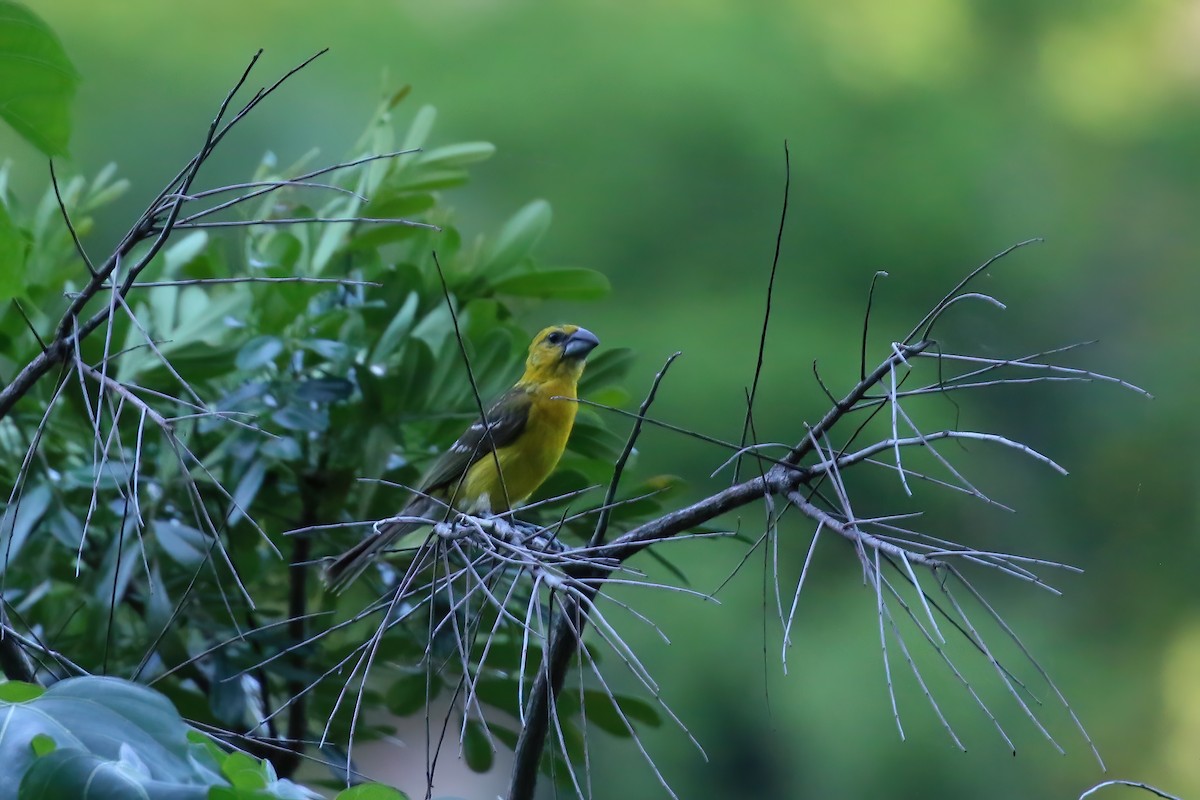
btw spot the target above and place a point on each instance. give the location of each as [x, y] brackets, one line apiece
[501, 425]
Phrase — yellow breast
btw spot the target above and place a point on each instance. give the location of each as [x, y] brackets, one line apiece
[528, 461]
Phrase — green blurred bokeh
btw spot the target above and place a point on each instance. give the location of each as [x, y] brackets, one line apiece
[924, 136]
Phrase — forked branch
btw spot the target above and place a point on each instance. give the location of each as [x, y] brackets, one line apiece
[797, 478]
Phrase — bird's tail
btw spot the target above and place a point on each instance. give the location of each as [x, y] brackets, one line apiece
[342, 571]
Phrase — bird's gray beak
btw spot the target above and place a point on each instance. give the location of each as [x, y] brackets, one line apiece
[580, 343]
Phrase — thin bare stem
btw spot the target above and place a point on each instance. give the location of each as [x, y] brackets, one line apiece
[766, 319]
[1135, 784]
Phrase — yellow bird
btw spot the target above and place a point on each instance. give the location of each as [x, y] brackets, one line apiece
[501, 459]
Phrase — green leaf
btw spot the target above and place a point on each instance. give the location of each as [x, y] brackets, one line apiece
[192, 326]
[37, 80]
[18, 692]
[591, 439]
[437, 329]
[247, 490]
[108, 476]
[258, 352]
[403, 208]
[419, 130]
[334, 235]
[602, 711]
[410, 382]
[328, 349]
[102, 192]
[492, 362]
[20, 517]
[458, 155]
[426, 181]
[297, 416]
[79, 774]
[120, 561]
[477, 748]
[397, 97]
[501, 692]
[607, 367]
[181, 543]
[324, 390]
[281, 251]
[244, 397]
[614, 396]
[285, 448]
[112, 739]
[244, 772]
[183, 252]
[518, 237]
[569, 283]
[397, 329]
[43, 744]
[506, 736]
[408, 694]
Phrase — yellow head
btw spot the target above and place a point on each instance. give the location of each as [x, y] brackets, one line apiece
[558, 353]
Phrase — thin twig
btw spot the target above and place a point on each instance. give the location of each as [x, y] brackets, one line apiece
[249, 223]
[1135, 784]
[766, 320]
[618, 468]
[62, 208]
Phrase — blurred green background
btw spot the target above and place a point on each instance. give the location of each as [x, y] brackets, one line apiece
[925, 135]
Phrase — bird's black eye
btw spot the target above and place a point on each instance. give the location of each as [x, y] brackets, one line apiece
[555, 337]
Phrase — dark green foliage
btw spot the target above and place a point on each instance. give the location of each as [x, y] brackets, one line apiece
[97, 738]
[105, 738]
[151, 538]
[37, 83]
